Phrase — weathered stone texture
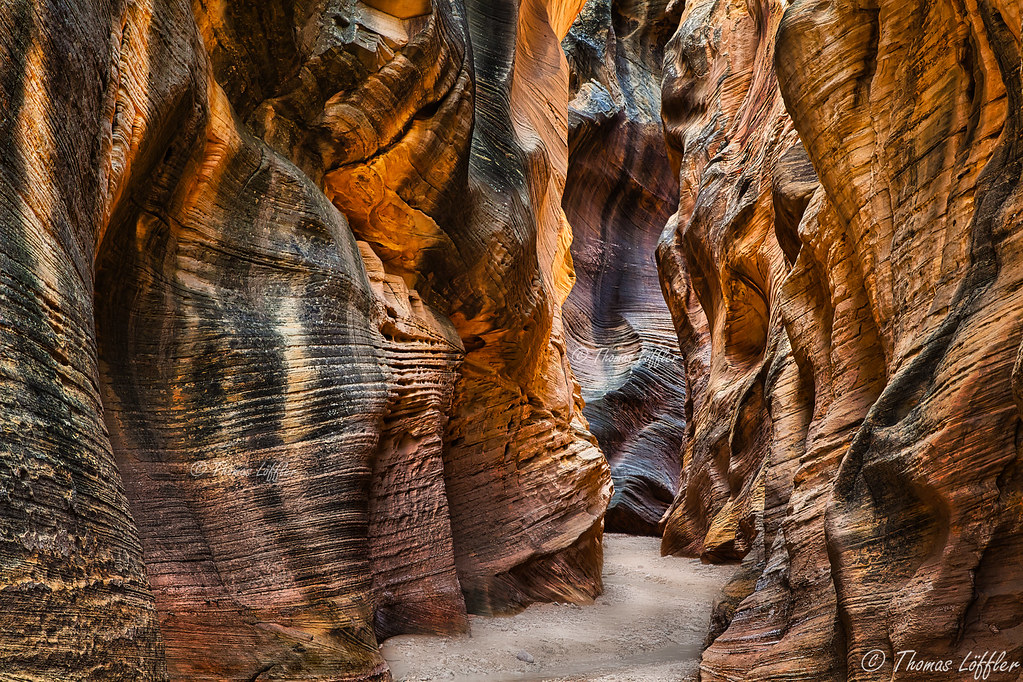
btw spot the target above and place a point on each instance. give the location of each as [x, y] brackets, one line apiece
[878, 310]
[620, 191]
[285, 280]
[722, 266]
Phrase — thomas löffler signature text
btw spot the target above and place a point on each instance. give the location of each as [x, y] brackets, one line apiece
[978, 666]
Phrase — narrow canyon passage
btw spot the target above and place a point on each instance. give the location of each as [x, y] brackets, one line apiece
[648, 626]
[331, 330]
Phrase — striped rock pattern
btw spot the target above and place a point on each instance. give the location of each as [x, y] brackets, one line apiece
[283, 365]
[870, 473]
[620, 192]
[722, 264]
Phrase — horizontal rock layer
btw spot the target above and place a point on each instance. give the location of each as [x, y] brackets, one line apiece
[850, 312]
[284, 370]
[620, 192]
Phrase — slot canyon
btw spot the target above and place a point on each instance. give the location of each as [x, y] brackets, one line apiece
[337, 332]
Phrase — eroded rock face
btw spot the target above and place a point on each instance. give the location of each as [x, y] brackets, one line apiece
[722, 264]
[620, 191]
[516, 416]
[851, 327]
[455, 189]
[930, 198]
[73, 588]
[295, 304]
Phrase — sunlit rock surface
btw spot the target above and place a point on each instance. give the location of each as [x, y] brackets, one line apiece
[284, 369]
[620, 191]
[722, 265]
[283, 363]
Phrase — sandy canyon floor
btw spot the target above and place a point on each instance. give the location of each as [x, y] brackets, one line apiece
[648, 626]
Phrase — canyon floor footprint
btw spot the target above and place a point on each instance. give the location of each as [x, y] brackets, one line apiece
[648, 626]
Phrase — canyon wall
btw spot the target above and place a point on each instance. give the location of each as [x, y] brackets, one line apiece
[284, 370]
[287, 317]
[849, 307]
[620, 191]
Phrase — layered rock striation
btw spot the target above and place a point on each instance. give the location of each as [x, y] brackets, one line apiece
[620, 191]
[286, 325]
[849, 310]
[283, 362]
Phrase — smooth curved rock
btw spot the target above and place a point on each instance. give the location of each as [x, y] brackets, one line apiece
[516, 415]
[456, 190]
[886, 331]
[328, 424]
[620, 191]
[722, 265]
[929, 192]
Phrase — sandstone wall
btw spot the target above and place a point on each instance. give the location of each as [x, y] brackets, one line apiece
[284, 369]
[620, 191]
[851, 340]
